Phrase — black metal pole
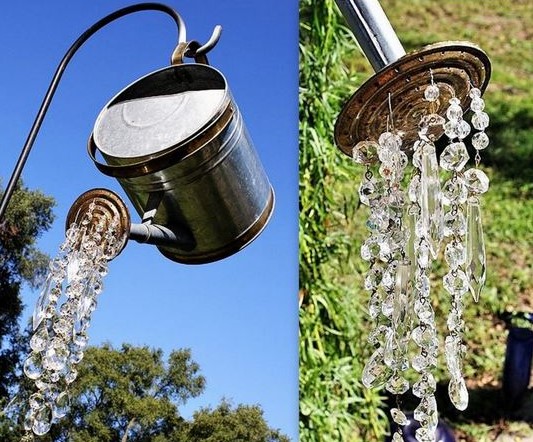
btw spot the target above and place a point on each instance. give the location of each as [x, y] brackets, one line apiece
[57, 77]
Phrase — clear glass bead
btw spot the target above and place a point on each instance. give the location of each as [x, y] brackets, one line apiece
[370, 249]
[367, 192]
[463, 129]
[424, 434]
[39, 340]
[431, 93]
[480, 120]
[474, 93]
[397, 384]
[477, 104]
[390, 141]
[425, 336]
[454, 191]
[424, 311]
[451, 351]
[365, 152]
[376, 336]
[476, 181]
[451, 129]
[422, 362]
[454, 223]
[387, 306]
[454, 157]
[454, 112]
[456, 283]
[422, 285]
[427, 412]
[430, 127]
[455, 321]
[397, 437]
[375, 372]
[42, 420]
[480, 140]
[33, 366]
[399, 416]
[425, 386]
[455, 254]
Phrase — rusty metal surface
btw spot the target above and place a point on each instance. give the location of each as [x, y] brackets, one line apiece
[456, 67]
[108, 206]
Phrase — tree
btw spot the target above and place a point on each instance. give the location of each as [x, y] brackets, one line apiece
[245, 423]
[29, 214]
[132, 395]
[128, 395]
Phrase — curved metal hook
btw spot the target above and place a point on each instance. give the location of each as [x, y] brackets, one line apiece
[182, 37]
[193, 49]
[211, 43]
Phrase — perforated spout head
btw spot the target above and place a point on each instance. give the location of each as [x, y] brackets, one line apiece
[103, 216]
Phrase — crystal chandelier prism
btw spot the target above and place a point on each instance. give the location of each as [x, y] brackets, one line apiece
[417, 215]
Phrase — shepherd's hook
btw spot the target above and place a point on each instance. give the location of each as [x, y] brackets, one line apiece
[182, 37]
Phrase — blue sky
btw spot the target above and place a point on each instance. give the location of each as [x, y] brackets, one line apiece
[239, 315]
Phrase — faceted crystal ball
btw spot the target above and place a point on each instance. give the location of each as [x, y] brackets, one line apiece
[480, 140]
[476, 181]
[365, 152]
[454, 157]
[431, 93]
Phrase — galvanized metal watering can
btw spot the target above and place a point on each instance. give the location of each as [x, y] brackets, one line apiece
[176, 142]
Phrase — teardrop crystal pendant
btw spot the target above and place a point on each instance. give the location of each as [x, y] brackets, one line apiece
[476, 265]
[430, 198]
[458, 393]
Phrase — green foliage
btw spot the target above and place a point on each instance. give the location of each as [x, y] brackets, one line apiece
[28, 215]
[129, 393]
[333, 327]
[333, 404]
[244, 423]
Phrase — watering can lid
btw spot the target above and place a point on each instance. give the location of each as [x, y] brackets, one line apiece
[159, 111]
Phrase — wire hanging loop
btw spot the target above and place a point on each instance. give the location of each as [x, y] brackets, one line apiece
[193, 49]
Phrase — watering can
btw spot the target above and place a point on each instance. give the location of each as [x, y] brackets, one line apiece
[176, 142]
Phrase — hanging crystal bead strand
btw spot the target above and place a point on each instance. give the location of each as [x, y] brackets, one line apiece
[426, 231]
[376, 372]
[58, 343]
[424, 335]
[477, 183]
[395, 279]
[47, 351]
[453, 159]
[396, 307]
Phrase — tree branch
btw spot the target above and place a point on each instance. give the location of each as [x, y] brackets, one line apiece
[131, 423]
